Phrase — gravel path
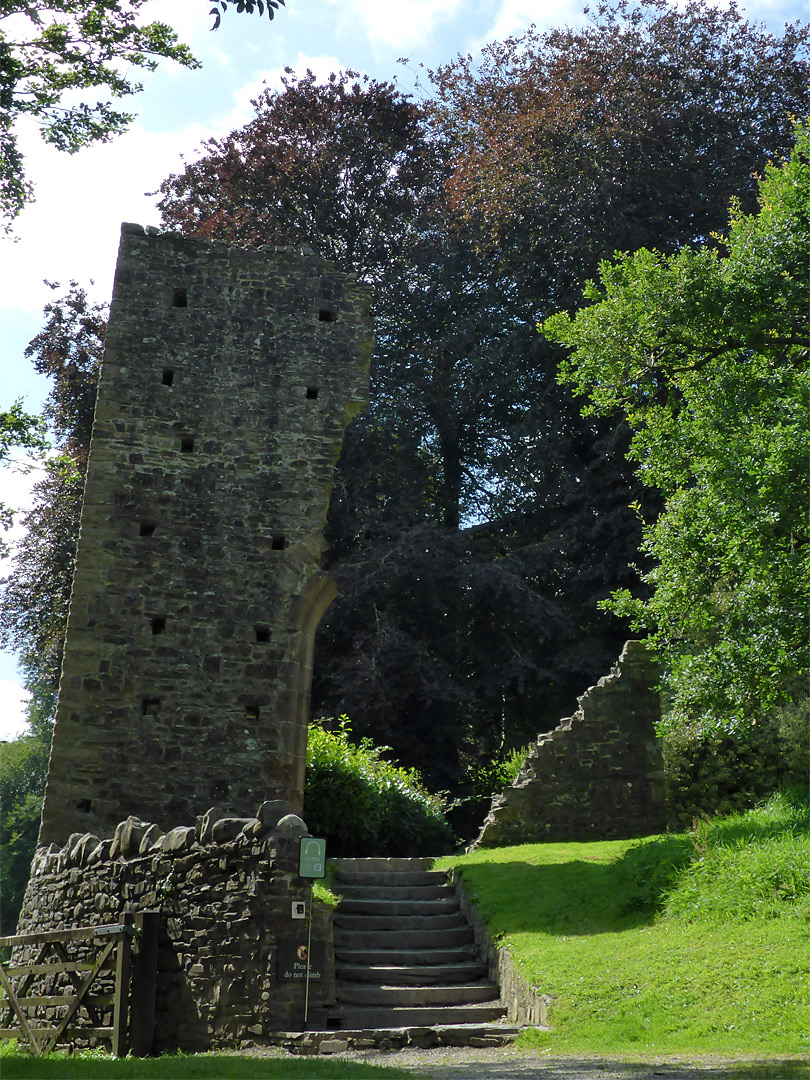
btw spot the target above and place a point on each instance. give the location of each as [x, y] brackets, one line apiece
[511, 1063]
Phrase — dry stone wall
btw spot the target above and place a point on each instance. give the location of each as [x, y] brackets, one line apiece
[227, 381]
[598, 775]
[224, 889]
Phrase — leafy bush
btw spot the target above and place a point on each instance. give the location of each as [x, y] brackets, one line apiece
[710, 772]
[365, 805]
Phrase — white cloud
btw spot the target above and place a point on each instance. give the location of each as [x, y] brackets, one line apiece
[13, 700]
[401, 23]
[72, 229]
[515, 16]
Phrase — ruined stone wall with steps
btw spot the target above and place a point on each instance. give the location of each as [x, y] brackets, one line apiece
[224, 889]
[599, 774]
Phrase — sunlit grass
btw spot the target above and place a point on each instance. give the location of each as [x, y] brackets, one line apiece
[688, 943]
[188, 1067]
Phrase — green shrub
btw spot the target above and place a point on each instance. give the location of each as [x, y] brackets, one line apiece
[710, 772]
[365, 805]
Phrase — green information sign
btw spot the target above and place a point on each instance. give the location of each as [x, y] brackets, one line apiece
[312, 857]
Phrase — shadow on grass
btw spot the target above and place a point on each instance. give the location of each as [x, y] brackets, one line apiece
[578, 897]
[191, 1067]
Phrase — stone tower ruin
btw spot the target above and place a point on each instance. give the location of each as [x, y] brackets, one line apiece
[228, 378]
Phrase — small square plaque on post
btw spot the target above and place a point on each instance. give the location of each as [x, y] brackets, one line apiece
[312, 857]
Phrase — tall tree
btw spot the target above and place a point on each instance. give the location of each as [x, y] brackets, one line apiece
[34, 597]
[635, 130]
[706, 352]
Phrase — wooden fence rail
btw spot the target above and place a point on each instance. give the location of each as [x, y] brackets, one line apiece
[105, 951]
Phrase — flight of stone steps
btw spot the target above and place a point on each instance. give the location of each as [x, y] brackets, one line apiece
[404, 951]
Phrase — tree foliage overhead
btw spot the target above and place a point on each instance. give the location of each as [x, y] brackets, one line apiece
[706, 353]
[248, 6]
[51, 50]
[635, 130]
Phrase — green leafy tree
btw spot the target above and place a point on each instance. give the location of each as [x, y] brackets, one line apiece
[19, 430]
[51, 50]
[706, 353]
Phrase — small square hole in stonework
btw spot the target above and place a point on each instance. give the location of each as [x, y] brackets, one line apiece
[193, 721]
[312, 392]
[327, 315]
[84, 805]
[279, 541]
[262, 633]
[150, 706]
[251, 712]
[158, 624]
[187, 444]
[220, 789]
[147, 528]
[168, 377]
[180, 298]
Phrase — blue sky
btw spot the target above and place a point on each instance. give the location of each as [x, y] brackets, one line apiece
[72, 230]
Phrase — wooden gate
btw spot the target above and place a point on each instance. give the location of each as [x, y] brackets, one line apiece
[122, 1011]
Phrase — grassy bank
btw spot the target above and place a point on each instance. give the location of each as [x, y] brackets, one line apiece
[188, 1067]
[690, 943]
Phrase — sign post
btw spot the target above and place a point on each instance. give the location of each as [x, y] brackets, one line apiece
[311, 864]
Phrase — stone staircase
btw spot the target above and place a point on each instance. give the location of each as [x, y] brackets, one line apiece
[404, 951]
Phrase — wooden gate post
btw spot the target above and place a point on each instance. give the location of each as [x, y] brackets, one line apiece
[123, 966]
[144, 983]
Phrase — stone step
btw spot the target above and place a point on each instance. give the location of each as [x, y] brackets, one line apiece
[370, 1017]
[381, 865]
[324, 1039]
[357, 939]
[397, 909]
[381, 923]
[419, 996]
[410, 975]
[423, 958]
[401, 879]
[360, 891]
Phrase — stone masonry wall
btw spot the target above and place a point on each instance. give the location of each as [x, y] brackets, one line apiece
[224, 889]
[598, 775]
[227, 382]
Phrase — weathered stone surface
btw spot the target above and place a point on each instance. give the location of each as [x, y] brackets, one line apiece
[228, 828]
[599, 774]
[227, 381]
[291, 827]
[226, 908]
[272, 810]
[179, 839]
[127, 837]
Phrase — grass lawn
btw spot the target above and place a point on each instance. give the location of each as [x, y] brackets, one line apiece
[693, 943]
[190, 1067]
